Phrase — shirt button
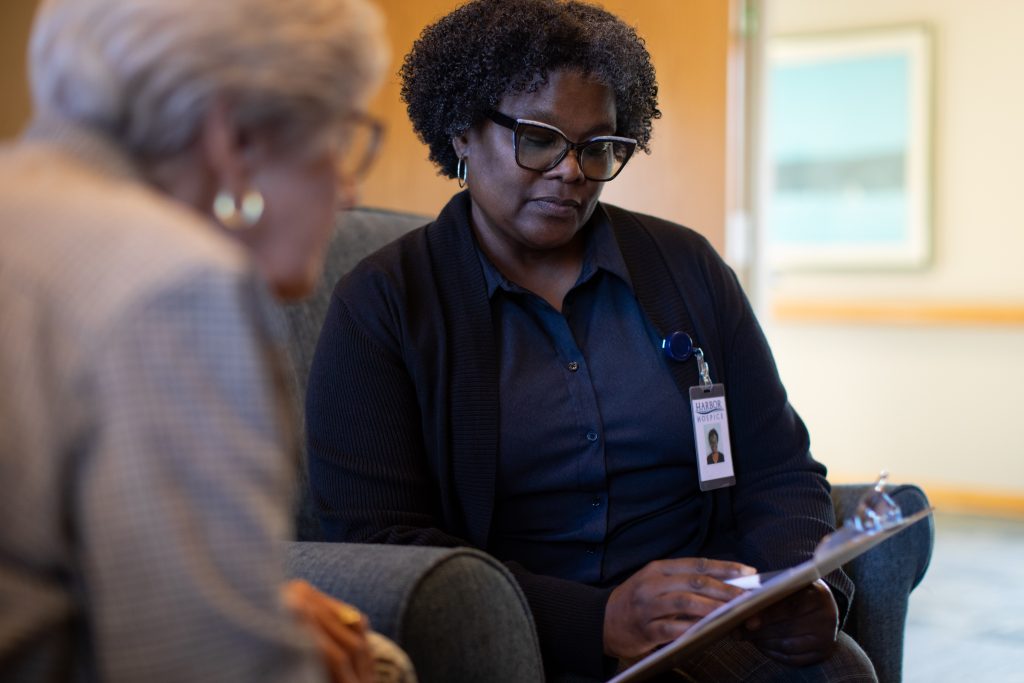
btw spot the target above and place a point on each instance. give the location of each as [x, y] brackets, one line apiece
[591, 436]
[573, 366]
[596, 503]
[591, 550]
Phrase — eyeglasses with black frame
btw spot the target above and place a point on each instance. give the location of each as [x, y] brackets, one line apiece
[540, 147]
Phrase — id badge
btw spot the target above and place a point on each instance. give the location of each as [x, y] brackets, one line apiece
[711, 436]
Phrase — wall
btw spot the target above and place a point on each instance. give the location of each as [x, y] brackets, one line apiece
[15, 17]
[938, 400]
[683, 179]
[685, 176]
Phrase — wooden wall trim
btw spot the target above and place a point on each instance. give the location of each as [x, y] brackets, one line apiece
[964, 500]
[900, 313]
[995, 504]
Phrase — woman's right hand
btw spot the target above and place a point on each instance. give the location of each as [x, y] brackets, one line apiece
[664, 599]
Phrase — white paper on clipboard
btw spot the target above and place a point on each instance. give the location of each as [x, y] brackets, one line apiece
[833, 552]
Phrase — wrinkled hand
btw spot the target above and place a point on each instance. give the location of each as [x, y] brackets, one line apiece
[799, 630]
[339, 631]
[662, 600]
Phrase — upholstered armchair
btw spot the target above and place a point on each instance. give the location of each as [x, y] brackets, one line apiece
[458, 612]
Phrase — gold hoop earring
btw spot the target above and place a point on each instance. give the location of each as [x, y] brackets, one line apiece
[462, 171]
[235, 215]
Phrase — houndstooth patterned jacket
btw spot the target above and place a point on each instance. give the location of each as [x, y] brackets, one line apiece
[144, 489]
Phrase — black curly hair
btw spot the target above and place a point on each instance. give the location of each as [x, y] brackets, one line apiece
[465, 63]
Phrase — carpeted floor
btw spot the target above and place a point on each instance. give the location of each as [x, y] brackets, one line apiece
[966, 620]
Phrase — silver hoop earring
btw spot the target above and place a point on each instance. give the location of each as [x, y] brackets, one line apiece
[235, 215]
[462, 171]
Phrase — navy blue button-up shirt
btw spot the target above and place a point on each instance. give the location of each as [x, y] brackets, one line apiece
[596, 475]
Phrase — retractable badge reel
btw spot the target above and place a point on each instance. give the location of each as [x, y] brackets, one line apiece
[710, 416]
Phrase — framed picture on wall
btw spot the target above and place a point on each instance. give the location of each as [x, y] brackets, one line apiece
[847, 141]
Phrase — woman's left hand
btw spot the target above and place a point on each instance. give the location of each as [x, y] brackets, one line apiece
[339, 630]
[799, 630]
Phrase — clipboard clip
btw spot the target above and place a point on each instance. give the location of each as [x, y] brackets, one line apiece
[875, 510]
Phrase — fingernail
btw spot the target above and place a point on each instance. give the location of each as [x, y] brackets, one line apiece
[747, 571]
[349, 616]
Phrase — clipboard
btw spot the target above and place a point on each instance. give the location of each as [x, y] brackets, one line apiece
[832, 552]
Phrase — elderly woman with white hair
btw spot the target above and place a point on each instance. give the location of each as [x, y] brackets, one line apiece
[184, 166]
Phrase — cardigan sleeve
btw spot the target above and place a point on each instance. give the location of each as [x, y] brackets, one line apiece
[781, 503]
[366, 456]
[374, 479]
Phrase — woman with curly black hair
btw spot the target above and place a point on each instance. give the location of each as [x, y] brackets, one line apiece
[497, 377]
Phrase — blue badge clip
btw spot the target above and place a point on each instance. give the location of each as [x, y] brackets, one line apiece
[678, 346]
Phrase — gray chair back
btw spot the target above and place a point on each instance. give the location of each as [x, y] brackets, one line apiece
[357, 234]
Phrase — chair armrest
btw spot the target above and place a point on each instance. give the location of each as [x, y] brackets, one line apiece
[457, 612]
[884, 577]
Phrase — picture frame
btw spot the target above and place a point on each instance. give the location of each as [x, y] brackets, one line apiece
[848, 150]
